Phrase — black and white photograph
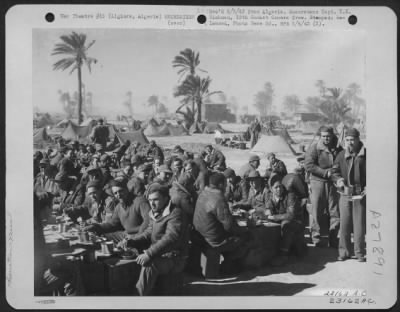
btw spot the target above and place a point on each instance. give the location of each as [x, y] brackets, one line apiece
[185, 162]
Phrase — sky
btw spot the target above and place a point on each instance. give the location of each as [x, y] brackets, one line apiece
[239, 64]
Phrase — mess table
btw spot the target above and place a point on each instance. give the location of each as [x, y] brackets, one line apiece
[103, 270]
[264, 240]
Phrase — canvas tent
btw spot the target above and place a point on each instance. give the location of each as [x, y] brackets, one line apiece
[89, 122]
[274, 144]
[153, 131]
[74, 132]
[64, 123]
[196, 128]
[284, 134]
[40, 136]
[177, 130]
[137, 136]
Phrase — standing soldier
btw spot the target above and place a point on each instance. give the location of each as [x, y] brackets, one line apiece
[319, 160]
[350, 171]
[100, 134]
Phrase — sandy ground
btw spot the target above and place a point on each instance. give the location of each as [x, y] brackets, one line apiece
[317, 272]
[313, 275]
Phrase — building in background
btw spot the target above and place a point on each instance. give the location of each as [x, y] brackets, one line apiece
[217, 113]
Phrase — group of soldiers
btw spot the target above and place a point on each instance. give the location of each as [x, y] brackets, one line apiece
[141, 198]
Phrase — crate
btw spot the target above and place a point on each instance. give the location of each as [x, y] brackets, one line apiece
[121, 276]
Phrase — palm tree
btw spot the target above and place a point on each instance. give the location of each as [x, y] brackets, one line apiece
[187, 62]
[195, 90]
[74, 48]
[335, 106]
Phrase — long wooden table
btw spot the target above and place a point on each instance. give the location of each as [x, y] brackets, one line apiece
[265, 240]
[105, 274]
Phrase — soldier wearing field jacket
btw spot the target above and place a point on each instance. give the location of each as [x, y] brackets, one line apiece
[319, 160]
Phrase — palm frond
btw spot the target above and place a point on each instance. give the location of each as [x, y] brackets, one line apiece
[63, 64]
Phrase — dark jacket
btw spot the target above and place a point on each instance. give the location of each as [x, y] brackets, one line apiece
[182, 198]
[346, 163]
[256, 200]
[319, 159]
[217, 160]
[287, 209]
[212, 217]
[234, 191]
[278, 167]
[166, 234]
[133, 219]
[294, 182]
[100, 135]
[74, 197]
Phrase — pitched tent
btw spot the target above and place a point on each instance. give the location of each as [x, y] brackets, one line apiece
[274, 144]
[74, 132]
[112, 130]
[163, 130]
[152, 131]
[64, 123]
[137, 136]
[177, 130]
[284, 134]
[89, 122]
[195, 128]
[40, 136]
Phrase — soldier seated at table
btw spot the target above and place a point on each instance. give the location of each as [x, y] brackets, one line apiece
[285, 209]
[131, 214]
[259, 194]
[164, 243]
[72, 193]
[94, 209]
[234, 190]
[215, 226]
[52, 276]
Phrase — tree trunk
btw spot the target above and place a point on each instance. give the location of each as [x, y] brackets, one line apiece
[199, 104]
[80, 95]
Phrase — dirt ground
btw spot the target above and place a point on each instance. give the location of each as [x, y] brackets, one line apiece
[316, 273]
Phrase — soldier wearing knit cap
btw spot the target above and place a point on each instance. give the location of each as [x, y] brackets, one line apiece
[349, 170]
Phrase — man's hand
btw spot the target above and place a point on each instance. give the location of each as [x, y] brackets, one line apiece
[123, 244]
[92, 228]
[304, 201]
[328, 174]
[143, 259]
[271, 217]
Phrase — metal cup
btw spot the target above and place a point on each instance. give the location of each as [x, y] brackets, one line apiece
[61, 227]
[348, 190]
[109, 247]
[83, 236]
